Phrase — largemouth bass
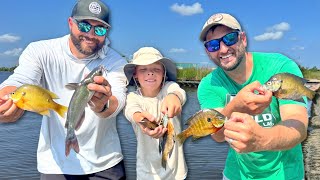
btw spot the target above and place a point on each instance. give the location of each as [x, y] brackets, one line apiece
[37, 99]
[288, 86]
[76, 110]
[203, 123]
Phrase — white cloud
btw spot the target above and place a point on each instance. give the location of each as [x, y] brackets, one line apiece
[13, 52]
[177, 50]
[186, 10]
[283, 26]
[9, 38]
[274, 32]
[295, 48]
[269, 36]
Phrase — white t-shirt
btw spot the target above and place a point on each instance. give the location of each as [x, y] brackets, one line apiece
[148, 156]
[50, 63]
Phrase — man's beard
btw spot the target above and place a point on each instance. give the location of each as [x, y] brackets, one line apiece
[240, 54]
[89, 50]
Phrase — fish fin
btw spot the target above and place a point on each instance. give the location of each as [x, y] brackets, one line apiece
[181, 138]
[71, 142]
[194, 138]
[79, 123]
[45, 113]
[72, 86]
[52, 95]
[310, 94]
[192, 118]
[61, 110]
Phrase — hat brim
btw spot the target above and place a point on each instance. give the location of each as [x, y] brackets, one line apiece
[205, 30]
[79, 18]
[170, 67]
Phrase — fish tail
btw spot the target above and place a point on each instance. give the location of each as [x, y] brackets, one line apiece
[182, 137]
[316, 97]
[310, 94]
[71, 142]
[61, 110]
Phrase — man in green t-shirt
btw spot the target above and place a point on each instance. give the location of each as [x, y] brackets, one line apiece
[264, 133]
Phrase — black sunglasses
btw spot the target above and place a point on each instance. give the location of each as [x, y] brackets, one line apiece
[228, 39]
[85, 27]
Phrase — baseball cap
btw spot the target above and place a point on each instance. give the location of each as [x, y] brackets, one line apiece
[146, 56]
[91, 9]
[219, 19]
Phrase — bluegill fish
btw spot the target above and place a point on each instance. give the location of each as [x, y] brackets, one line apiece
[202, 123]
[37, 99]
[288, 86]
[76, 110]
[168, 141]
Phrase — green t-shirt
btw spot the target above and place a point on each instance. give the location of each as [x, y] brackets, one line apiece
[217, 89]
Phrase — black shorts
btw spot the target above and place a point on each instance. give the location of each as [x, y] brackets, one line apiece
[116, 172]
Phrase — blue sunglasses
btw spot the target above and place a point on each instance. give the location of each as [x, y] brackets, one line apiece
[228, 39]
[85, 27]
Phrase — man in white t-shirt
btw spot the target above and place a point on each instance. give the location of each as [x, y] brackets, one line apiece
[56, 62]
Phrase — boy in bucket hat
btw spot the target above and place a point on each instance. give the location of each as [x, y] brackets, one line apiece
[264, 133]
[157, 96]
[75, 55]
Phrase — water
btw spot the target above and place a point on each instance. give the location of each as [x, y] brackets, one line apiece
[205, 158]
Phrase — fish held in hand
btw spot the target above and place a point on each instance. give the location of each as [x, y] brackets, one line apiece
[76, 110]
[203, 123]
[149, 124]
[288, 86]
[168, 141]
[37, 99]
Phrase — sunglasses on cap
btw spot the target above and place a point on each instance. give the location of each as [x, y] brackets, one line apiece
[228, 39]
[85, 27]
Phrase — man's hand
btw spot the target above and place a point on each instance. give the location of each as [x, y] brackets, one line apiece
[252, 99]
[244, 134]
[9, 112]
[102, 94]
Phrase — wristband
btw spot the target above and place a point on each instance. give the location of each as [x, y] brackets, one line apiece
[105, 107]
[180, 99]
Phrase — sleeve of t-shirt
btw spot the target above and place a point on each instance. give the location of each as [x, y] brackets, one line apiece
[132, 106]
[207, 95]
[171, 86]
[29, 70]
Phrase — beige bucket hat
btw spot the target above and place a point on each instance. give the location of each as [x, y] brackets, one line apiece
[146, 56]
[219, 19]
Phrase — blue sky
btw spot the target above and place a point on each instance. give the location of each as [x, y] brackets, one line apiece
[288, 27]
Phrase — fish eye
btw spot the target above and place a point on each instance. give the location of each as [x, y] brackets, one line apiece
[268, 83]
[209, 119]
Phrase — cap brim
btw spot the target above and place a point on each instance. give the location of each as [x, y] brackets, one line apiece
[205, 30]
[79, 18]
